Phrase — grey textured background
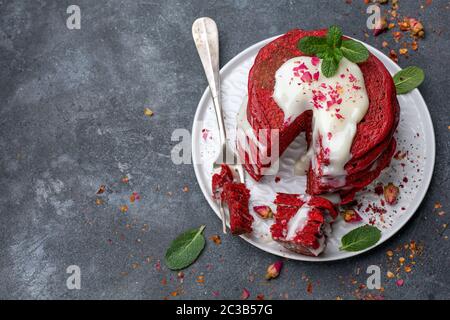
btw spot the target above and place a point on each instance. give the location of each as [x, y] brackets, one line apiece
[71, 119]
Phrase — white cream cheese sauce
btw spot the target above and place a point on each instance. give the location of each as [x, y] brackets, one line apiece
[297, 222]
[338, 103]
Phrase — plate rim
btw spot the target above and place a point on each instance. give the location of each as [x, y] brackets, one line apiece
[427, 178]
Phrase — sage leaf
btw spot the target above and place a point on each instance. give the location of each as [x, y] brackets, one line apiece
[185, 249]
[408, 79]
[360, 238]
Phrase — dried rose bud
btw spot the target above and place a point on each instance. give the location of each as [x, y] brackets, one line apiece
[351, 215]
[391, 193]
[400, 155]
[245, 294]
[416, 28]
[380, 27]
[273, 271]
[264, 212]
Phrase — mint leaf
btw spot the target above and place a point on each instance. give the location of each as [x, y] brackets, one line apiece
[329, 66]
[360, 238]
[337, 54]
[334, 37]
[408, 79]
[324, 54]
[354, 51]
[312, 45]
[185, 249]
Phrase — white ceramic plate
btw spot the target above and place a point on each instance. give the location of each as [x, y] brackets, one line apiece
[415, 135]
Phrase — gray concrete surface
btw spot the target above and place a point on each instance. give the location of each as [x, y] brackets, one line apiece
[71, 119]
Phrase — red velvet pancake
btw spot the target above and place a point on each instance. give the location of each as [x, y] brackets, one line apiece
[373, 142]
[236, 196]
[310, 240]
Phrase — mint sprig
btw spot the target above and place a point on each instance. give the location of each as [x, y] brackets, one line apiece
[332, 48]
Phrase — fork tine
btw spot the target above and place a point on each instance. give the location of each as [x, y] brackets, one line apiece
[222, 214]
[240, 171]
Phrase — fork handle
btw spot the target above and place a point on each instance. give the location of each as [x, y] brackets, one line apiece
[206, 38]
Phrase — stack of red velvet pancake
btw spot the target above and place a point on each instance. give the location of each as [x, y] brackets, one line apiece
[373, 145]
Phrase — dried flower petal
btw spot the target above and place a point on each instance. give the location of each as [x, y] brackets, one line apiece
[404, 25]
[201, 279]
[403, 51]
[417, 29]
[216, 239]
[393, 55]
[101, 189]
[245, 294]
[309, 288]
[148, 112]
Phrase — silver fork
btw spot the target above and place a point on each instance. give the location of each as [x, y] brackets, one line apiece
[206, 38]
